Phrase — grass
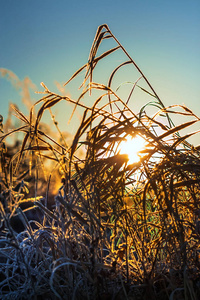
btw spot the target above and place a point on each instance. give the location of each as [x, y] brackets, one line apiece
[107, 233]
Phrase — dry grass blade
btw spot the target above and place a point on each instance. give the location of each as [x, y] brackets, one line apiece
[177, 128]
[45, 210]
[27, 135]
[97, 41]
[24, 220]
[22, 128]
[93, 62]
[20, 115]
[75, 74]
[47, 104]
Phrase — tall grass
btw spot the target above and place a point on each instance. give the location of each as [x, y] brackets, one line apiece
[109, 234]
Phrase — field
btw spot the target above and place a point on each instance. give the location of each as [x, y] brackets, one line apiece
[79, 220]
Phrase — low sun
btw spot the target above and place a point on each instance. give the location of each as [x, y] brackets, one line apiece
[132, 147]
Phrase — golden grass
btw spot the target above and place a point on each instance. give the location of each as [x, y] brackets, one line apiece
[108, 234]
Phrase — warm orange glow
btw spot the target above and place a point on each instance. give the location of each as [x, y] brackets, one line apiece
[132, 147]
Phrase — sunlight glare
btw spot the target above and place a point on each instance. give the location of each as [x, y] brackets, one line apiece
[132, 147]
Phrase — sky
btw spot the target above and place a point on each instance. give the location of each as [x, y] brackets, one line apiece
[47, 41]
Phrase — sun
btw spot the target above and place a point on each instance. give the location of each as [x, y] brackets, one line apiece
[132, 146]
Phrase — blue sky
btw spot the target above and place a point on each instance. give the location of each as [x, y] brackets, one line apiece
[49, 40]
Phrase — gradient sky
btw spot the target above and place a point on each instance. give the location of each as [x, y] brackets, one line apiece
[49, 40]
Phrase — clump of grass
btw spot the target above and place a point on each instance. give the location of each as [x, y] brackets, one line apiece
[108, 234]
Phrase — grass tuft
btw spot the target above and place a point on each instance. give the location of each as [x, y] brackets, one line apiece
[112, 230]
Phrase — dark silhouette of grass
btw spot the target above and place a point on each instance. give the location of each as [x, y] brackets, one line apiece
[109, 234]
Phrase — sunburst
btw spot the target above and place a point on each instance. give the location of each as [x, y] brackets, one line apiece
[132, 147]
